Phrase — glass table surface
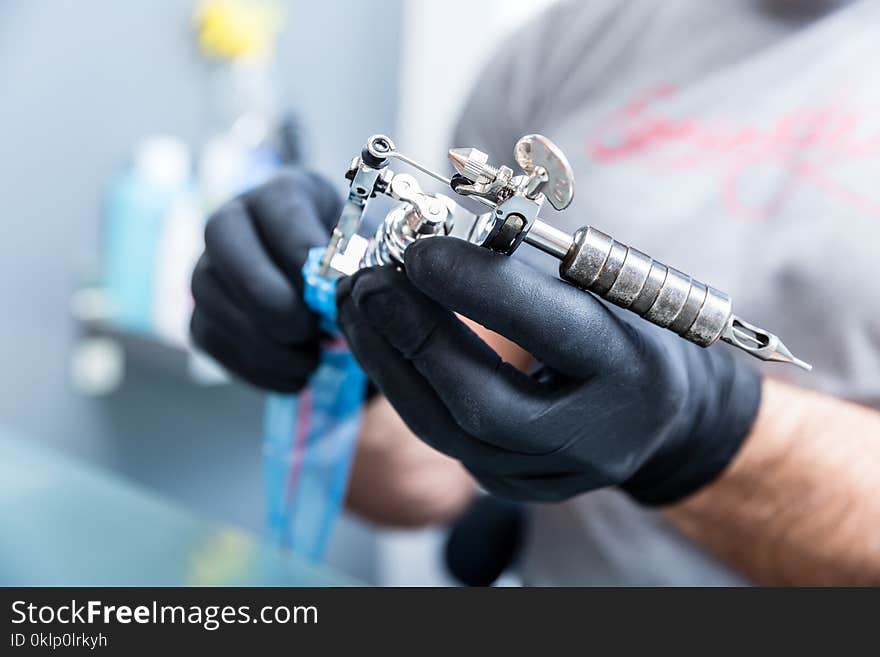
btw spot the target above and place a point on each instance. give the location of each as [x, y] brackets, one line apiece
[68, 524]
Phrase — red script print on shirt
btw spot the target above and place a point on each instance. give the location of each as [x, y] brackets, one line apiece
[807, 146]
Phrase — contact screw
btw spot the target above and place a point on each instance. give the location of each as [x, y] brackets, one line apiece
[473, 164]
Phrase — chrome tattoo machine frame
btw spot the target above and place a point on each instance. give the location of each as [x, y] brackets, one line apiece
[504, 213]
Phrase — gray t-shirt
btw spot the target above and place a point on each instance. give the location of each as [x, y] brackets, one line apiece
[737, 141]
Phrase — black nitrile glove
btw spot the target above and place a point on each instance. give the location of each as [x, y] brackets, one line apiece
[613, 404]
[248, 286]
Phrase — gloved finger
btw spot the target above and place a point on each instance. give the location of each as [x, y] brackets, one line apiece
[293, 212]
[240, 258]
[213, 300]
[564, 327]
[489, 399]
[224, 346]
[408, 392]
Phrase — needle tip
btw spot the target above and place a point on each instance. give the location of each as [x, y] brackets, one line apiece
[760, 343]
[804, 365]
[788, 357]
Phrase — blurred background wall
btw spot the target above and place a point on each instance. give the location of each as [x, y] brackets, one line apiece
[80, 82]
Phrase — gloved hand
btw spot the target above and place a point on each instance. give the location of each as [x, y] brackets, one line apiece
[248, 285]
[613, 403]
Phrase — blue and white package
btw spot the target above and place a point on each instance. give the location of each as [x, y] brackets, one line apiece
[309, 439]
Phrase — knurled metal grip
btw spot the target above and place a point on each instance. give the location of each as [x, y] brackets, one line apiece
[632, 280]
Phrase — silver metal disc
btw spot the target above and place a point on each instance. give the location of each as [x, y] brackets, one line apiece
[533, 151]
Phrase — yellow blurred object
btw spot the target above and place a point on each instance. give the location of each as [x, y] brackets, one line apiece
[228, 557]
[233, 29]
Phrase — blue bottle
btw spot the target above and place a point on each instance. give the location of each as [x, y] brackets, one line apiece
[138, 202]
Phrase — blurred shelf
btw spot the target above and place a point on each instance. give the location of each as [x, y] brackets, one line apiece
[104, 350]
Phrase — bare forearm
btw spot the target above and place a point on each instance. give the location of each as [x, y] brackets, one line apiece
[800, 505]
[397, 480]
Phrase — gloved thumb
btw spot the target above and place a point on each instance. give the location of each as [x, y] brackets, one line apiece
[564, 327]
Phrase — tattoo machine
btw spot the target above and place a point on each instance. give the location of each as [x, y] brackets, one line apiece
[310, 438]
[504, 213]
